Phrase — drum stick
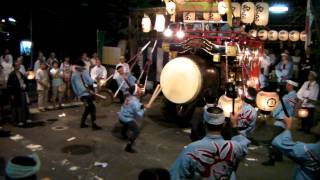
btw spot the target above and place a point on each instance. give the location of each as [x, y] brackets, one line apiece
[100, 96]
[115, 95]
[142, 49]
[155, 95]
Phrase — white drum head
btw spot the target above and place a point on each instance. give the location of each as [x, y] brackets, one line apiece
[181, 80]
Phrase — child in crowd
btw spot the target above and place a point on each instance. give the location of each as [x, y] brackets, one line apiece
[57, 84]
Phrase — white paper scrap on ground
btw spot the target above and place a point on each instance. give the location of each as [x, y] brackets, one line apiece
[64, 162]
[101, 164]
[16, 137]
[253, 147]
[251, 159]
[71, 139]
[62, 115]
[98, 178]
[34, 147]
[188, 131]
[74, 168]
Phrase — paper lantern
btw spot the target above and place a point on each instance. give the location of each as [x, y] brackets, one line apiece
[263, 35]
[267, 101]
[212, 17]
[273, 35]
[303, 113]
[146, 24]
[160, 23]
[222, 7]
[262, 14]
[31, 75]
[247, 12]
[283, 35]
[226, 104]
[189, 16]
[171, 7]
[303, 36]
[236, 9]
[253, 33]
[294, 36]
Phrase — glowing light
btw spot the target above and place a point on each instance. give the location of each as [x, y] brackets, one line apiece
[279, 8]
[168, 33]
[11, 19]
[180, 34]
[160, 23]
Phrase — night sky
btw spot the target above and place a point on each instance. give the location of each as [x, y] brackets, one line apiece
[67, 28]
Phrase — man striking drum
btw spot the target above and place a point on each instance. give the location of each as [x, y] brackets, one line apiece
[82, 85]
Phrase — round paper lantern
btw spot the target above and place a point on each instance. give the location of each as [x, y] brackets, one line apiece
[283, 35]
[273, 35]
[146, 23]
[303, 113]
[247, 12]
[262, 14]
[236, 9]
[160, 23]
[303, 36]
[171, 7]
[253, 33]
[267, 101]
[263, 35]
[294, 36]
[226, 104]
[222, 7]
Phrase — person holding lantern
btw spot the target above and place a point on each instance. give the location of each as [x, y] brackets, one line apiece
[284, 109]
[306, 156]
[212, 157]
[307, 95]
[284, 69]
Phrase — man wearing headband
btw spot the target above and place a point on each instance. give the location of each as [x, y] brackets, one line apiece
[284, 69]
[306, 156]
[279, 113]
[130, 112]
[307, 95]
[82, 84]
[211, 157]
[125, 80]
[126, 67]
[247, 116]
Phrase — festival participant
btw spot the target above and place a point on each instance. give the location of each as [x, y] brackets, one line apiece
[124, 81]
[307, 95]
[98, 72]
[305, 155]
[57, 85]
[288, 105]
[284, 69]
[82, 85]
[126, 67]
[130, 112]
[43, 85]
[211, 157]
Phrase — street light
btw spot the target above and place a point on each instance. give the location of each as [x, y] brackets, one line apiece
[279, 8]
[11, 19]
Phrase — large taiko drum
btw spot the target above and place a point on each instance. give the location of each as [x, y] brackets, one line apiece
[184, 78]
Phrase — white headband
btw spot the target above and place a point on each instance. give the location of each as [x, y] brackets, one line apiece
[292, 83]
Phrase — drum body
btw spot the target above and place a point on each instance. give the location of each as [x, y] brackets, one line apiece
[184, 79]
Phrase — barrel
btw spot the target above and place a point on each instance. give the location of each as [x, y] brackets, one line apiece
[185, 78]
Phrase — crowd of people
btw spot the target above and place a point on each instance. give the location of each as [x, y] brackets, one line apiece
[214, 154]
